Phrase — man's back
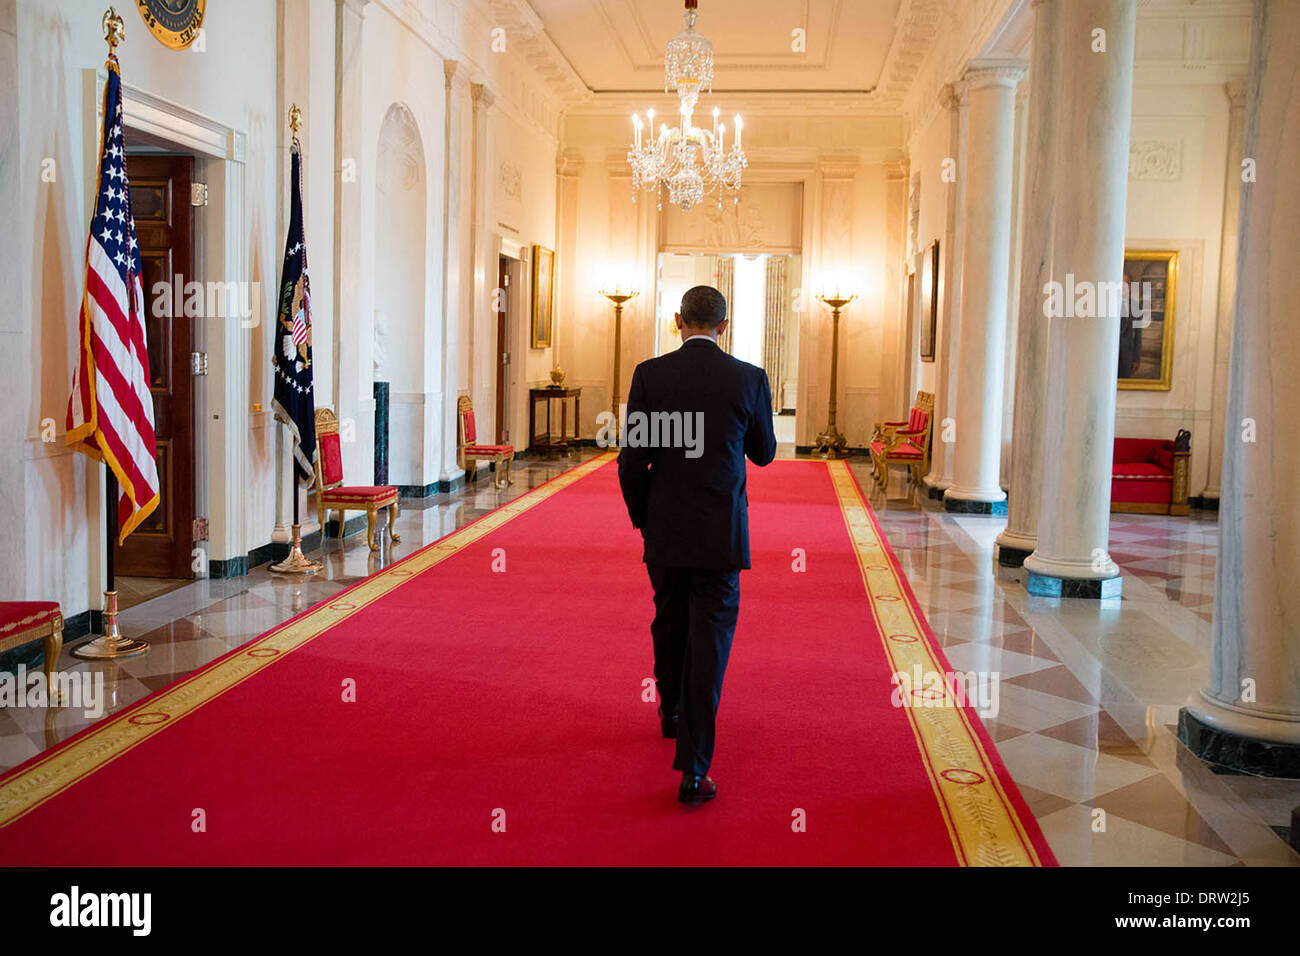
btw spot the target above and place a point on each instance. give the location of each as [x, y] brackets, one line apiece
[689, 499]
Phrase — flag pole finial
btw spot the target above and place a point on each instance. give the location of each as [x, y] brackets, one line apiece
[295, 119]
[114, 30]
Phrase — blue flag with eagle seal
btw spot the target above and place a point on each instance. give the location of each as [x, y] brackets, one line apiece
[294, 402]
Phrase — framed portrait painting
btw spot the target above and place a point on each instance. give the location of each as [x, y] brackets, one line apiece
[1147, 313]
[929, 313]
[543, 296]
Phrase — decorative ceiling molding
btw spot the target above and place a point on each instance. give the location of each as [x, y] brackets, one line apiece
[525, 32]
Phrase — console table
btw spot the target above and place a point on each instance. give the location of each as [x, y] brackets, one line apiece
[547, 440]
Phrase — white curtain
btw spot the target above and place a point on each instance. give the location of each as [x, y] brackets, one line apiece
[774, 328]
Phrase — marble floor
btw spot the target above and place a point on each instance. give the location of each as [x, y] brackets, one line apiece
[1089, 691]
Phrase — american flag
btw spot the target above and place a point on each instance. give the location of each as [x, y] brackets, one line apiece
[110, 411]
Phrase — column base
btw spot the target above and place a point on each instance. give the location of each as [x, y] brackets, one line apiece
[1013, 548]
[1049, 585]
[1232, 752]
[1012, 557]
[934, 488]
[974, 506]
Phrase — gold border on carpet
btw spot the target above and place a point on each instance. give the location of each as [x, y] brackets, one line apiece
[64, 767]
[984, 826]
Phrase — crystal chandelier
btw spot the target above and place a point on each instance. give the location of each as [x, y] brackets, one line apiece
[686, 159]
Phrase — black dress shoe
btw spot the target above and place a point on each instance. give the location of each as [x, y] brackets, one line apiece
[696, 789]
[668, 724]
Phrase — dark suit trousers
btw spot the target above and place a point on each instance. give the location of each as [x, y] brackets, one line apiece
[695, 620]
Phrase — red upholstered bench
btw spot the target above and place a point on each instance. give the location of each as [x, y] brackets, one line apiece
[24, 621]
[1149, 477]
[333, 495]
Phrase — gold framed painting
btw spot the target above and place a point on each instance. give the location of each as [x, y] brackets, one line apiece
[543, 296]
[1148, 308]
[929, 300]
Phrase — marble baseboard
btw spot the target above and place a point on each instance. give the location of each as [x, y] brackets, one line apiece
[934, 492]
[229, 567]
[960, 506]
[1229, 753]
[1202, 503]
[1010, 557]
[1046, 585]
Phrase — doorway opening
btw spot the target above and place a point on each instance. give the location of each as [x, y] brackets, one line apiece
[159, 556]
[763, 308]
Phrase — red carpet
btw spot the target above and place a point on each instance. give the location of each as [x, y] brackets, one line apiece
[517, 697]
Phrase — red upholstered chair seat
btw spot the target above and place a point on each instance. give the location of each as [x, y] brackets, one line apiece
[18, 616]
[1140, 469]
[360, 493]
[903, 450]
[488, 449]
[23, 621]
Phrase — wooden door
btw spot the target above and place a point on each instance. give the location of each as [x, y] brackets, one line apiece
[160, 203]
[503, 350]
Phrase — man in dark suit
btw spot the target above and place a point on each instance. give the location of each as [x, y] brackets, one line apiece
[693, 416]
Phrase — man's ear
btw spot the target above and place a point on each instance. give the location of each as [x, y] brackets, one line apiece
[677, 317]
[721, 327]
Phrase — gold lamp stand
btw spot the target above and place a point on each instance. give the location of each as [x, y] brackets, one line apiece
[618, 297]
[831, 443]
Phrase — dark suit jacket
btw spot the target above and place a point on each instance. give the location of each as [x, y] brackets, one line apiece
[693, 511]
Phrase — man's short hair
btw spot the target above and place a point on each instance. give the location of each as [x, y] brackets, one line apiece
[703, 307]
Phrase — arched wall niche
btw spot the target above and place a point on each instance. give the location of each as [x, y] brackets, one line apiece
[401, 342]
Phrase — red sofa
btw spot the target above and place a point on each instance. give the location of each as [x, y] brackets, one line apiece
[1148, 477]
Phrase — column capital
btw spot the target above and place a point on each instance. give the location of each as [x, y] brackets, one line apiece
[1235, 89]
[838, 166]
[569, 162]
[483, 97]
[449, 70]
[983, 73]
[950, 96]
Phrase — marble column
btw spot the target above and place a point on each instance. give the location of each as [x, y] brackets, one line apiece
[986, 256]
[451, 475]
[353, 325]
[1072, 558]
[1248, 715]
[1018, 540]
[939, 477]
[480, 269]
[1236, 91]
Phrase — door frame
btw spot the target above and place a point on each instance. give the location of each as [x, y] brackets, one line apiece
[222, 415]
[518, 316]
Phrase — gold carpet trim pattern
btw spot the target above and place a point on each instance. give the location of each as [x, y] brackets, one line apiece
[982, 822]
[29, 787]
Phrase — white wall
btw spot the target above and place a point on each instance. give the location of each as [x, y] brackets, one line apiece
[1182, 210]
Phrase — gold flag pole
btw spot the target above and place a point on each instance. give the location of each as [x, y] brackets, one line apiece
[111, 645]
[297, 562]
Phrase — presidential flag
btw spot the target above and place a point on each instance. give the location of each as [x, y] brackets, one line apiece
[110, 411]
[294, 402]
